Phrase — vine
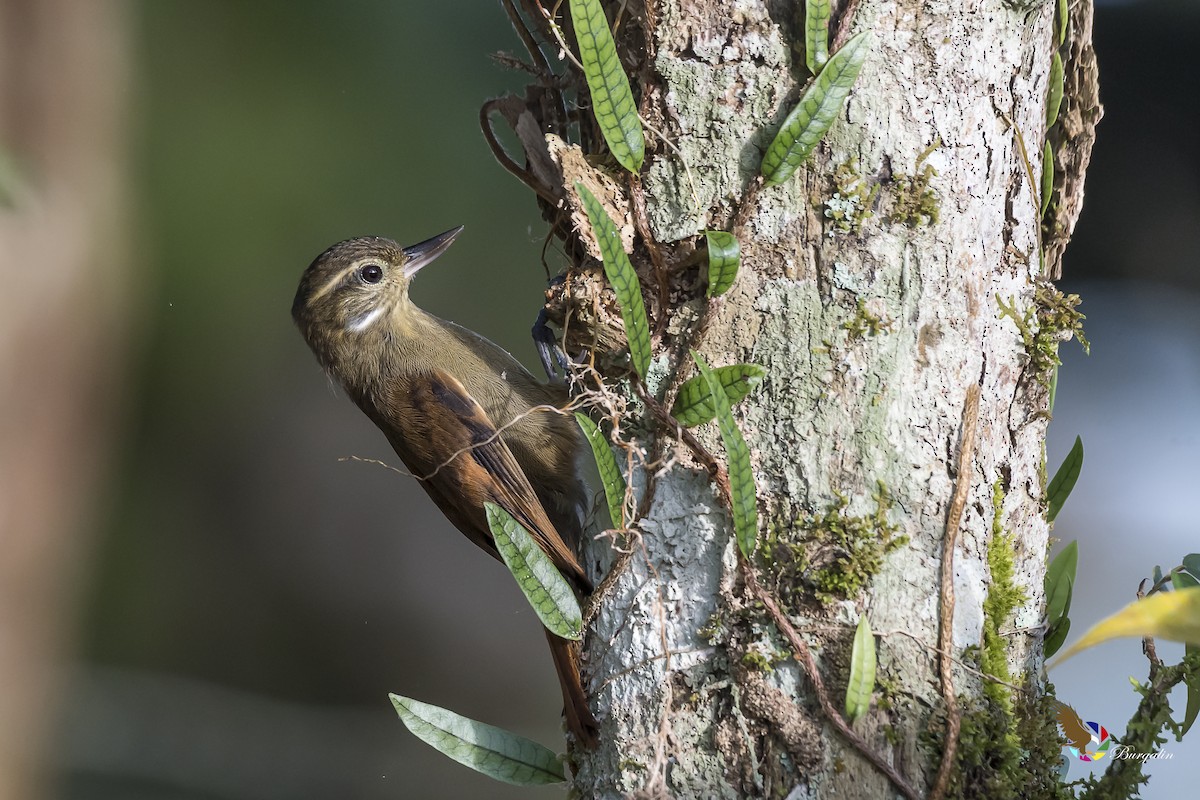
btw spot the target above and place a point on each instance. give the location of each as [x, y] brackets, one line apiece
[679, 402]
[630, 305]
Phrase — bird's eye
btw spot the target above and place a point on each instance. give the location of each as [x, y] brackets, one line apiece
[371, 273]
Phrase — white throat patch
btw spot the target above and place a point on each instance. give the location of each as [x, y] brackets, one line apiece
[364, 321]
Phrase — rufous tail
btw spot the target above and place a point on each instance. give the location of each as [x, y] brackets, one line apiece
[575, 705]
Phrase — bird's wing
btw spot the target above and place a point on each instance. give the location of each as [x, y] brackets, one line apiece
[1075, 732]
[452, 445]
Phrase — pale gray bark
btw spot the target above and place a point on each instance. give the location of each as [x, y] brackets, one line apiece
[839, 413]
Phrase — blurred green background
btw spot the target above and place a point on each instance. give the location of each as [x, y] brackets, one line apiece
[251, 599]
[255, 598]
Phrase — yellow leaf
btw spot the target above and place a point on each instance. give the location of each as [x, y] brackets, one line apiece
[1165, 615]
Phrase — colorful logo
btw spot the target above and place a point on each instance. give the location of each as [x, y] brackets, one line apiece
[1097, 746]
[1087, 741]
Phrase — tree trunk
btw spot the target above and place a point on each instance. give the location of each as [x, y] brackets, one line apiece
[871, 290]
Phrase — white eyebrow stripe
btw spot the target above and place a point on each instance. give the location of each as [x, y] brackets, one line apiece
[336, 280]
[333, 283]
[364, 321]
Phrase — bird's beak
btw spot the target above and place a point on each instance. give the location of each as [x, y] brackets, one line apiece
[418, 255]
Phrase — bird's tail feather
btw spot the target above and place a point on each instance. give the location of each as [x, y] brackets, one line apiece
[579, 717]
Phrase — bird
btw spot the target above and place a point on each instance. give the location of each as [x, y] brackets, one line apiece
[466, 418]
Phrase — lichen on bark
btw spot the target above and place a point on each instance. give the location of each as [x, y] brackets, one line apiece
[870, 341]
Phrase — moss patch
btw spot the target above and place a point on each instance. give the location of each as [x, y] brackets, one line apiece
[833, 554]
[759, 656]
[1041, 744]
[914, 202]
[1002, 599]
[865, 322]
[1003, 754]
[851, 201]
[1051, 320]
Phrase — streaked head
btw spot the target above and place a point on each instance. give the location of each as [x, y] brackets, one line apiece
[354, 286]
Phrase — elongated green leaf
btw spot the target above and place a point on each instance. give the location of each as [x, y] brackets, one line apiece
[1059, 589]
[1047, 176]
[612, 99]
[724, 258]
[1167, 615]
[1064, 480]
[816, 111]
[816, 34]
[606, 464]
[1054, 101]
[737, 454]
[1063, 16]
[1182, 580]
[621, 275]
[693, 406]
[1058, 605]
[543, 585]
[862, 671]
[1059, 575]
[484, 748]
[1056, 634]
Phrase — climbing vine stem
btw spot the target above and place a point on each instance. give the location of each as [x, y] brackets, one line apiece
[962, 486]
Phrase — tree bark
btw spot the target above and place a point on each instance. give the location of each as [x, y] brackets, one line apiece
[873, 327]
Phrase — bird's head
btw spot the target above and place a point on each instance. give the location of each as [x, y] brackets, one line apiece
[358, 289]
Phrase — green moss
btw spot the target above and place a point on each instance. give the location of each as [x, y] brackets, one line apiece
[865, 322]
[763, 662]
[1009, 747]
[987, 763]
[833, 554]
[784, 560]
[713, 631]
[1002, 599]
[1003, 754]
[851, 201]
[915, 202]
[1051, 320]
[885, 692]
[756, 660]
[859, 542]
[1035, 717]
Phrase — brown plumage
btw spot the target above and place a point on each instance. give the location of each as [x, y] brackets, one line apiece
[458, 410]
